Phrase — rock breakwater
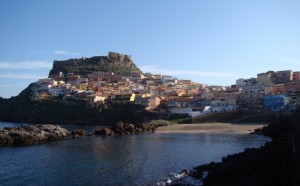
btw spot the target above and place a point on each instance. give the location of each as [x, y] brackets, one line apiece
[125, 129]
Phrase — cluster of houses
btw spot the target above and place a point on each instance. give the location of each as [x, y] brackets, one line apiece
[272, 91]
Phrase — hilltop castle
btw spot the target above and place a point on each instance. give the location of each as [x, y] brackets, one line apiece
[114, 62]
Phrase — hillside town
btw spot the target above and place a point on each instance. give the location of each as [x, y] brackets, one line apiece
[269, 91]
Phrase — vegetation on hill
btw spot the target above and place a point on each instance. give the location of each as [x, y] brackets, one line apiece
[22, 109]
[89, 68]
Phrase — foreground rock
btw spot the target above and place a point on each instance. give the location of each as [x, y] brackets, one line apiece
[31, 134]
[125, 129]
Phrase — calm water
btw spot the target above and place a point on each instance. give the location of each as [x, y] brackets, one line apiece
[125, 160]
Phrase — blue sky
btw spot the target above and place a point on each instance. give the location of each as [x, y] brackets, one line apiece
[213, 42]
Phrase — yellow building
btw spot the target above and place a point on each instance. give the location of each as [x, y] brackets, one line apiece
[121, 98]
[141, 99]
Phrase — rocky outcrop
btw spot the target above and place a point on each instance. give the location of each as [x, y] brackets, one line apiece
[269, 165]
[31, 134]
[114, 62]
[125, 129]
[117, 57]
[77, 133]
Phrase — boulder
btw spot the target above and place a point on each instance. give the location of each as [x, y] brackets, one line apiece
[129, 127]
[5, 138]
[78, 133]
[126, 129]
[53, 131]
[104, 132]
[119, 127]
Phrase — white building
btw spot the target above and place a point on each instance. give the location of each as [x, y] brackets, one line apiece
[56, 91]
[240, 82]
[167, 78]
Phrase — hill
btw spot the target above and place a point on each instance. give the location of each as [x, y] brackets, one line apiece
[26, 110]
[23, 110]
[114, 62]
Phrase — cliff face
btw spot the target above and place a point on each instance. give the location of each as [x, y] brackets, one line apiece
[114, 62]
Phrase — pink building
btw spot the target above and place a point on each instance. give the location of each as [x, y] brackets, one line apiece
[296, 76]
[292, 86]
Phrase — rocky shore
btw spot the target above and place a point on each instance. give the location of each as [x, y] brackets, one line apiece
[31, 134]
[276, 163]
[125, 129]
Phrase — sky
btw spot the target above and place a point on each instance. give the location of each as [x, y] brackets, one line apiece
[212, 42]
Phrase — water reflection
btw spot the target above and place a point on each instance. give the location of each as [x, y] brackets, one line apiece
[124, 160]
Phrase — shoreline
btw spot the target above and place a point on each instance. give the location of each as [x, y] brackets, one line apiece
[275, 163]
[212, 127]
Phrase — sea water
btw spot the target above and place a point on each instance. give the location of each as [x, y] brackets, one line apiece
[124, 160]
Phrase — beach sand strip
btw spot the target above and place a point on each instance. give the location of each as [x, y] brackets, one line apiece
[210, 127]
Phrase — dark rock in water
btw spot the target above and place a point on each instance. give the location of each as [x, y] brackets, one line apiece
[97, 132]
[104, 132]
[129, 127]
[5, 138]
[184, 172]
[30, 134]
[78, 133]
[107, 132]
[123, 128]
[120, 126]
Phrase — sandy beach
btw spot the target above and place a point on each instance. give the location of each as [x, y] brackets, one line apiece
[210, 127]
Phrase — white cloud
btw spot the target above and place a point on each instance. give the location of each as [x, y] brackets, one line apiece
[25, 65]
[154, 69]
[13, 85]
[65, 53]
[20, 76]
